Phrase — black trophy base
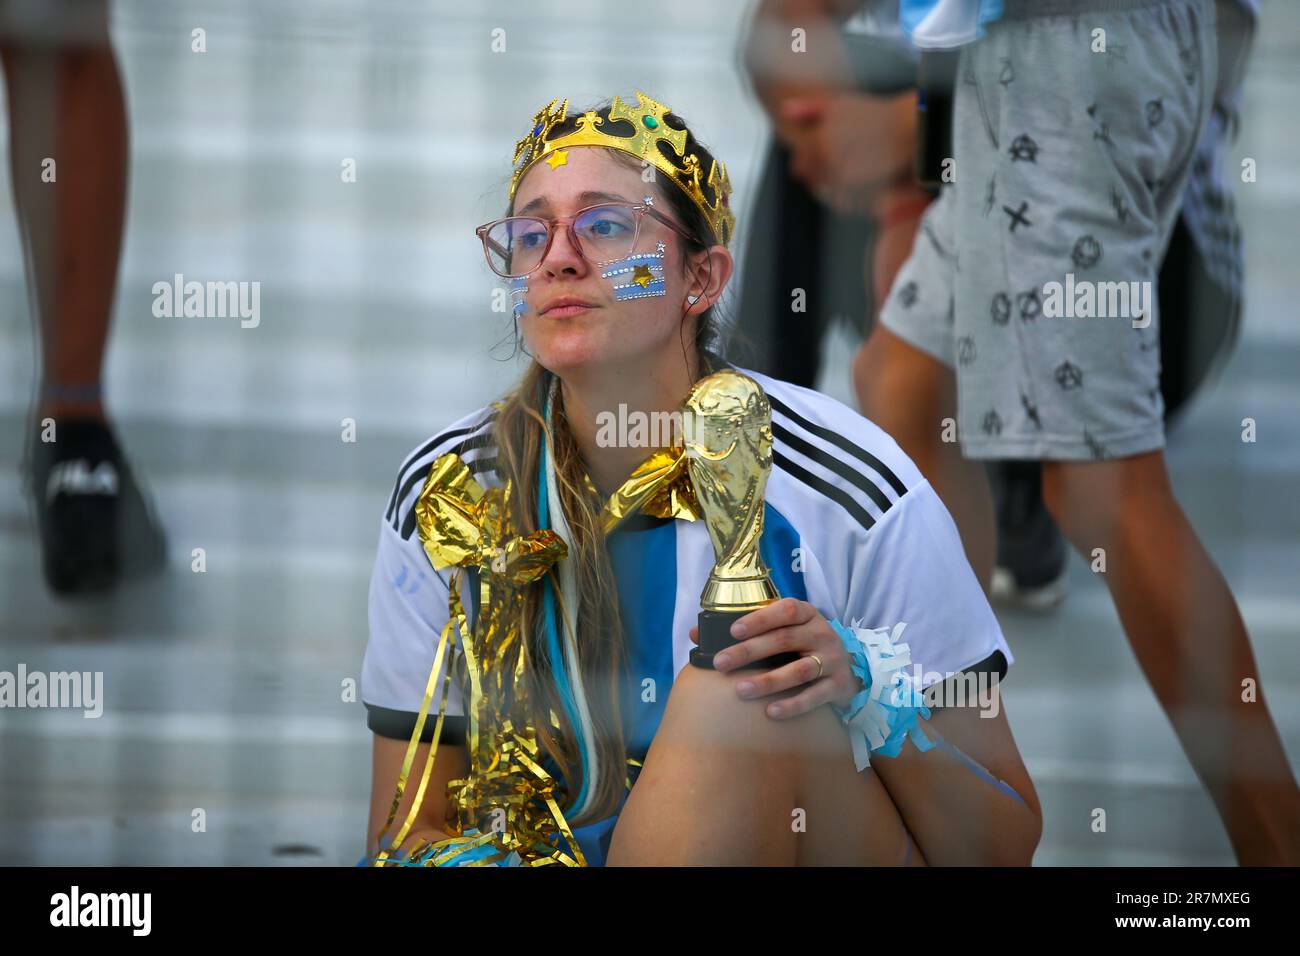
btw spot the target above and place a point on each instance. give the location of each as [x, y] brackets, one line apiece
[715, 635]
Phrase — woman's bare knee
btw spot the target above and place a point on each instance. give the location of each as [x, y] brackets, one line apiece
[850, 819]
[725, 784]
[718, 783]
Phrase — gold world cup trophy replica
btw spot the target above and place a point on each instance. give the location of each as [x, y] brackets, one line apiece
[727, 431]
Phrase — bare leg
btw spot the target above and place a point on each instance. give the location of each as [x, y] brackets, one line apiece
[726, 785]
[909, 394]
[1189, 637]
[66, 104]
[68, 162]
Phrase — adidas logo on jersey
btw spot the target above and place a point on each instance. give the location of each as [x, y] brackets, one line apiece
[75, 477]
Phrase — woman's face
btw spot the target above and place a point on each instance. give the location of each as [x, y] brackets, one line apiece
[608, 330]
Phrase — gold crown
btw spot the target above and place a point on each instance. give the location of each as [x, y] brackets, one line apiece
[647, 121]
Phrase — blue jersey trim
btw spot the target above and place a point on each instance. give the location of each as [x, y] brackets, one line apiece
[780, 547]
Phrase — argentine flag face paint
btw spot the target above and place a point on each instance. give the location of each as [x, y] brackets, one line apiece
[637, 276]
[518, 291]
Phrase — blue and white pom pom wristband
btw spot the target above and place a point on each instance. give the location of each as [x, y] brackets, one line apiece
[889, 707]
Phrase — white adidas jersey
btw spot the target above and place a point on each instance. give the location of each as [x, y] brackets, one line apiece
[876, 548]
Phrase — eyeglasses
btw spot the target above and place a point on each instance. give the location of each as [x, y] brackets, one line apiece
[516, 246]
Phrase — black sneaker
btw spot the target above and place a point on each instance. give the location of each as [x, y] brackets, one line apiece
[95, 526]
[1031, 567]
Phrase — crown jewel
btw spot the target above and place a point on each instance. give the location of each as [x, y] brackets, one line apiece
[649, 129]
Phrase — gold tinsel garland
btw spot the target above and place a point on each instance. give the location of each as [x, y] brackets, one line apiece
[464, 526]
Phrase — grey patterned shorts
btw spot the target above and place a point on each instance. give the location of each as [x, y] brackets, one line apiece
[1034, 273]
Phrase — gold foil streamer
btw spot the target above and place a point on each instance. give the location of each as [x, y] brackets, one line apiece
[464, 526]
[660, 486]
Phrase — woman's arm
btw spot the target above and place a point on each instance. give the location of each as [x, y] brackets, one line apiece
[954, 812]
[451, 762]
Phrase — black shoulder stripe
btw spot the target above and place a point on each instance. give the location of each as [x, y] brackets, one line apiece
[826, 488]
[482, 440]
[400, 724]
[831, 463]
[432, 444]
[937, 693]
[480, 465]
[835, 438]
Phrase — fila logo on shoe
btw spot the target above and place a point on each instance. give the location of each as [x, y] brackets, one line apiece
[75, 477]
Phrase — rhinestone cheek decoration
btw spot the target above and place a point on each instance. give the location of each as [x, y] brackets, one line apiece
[518, 291]
[638, 263]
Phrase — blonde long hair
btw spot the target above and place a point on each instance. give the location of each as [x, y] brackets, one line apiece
[519, 431]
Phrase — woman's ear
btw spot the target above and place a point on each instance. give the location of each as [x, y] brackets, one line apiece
[710, 273]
